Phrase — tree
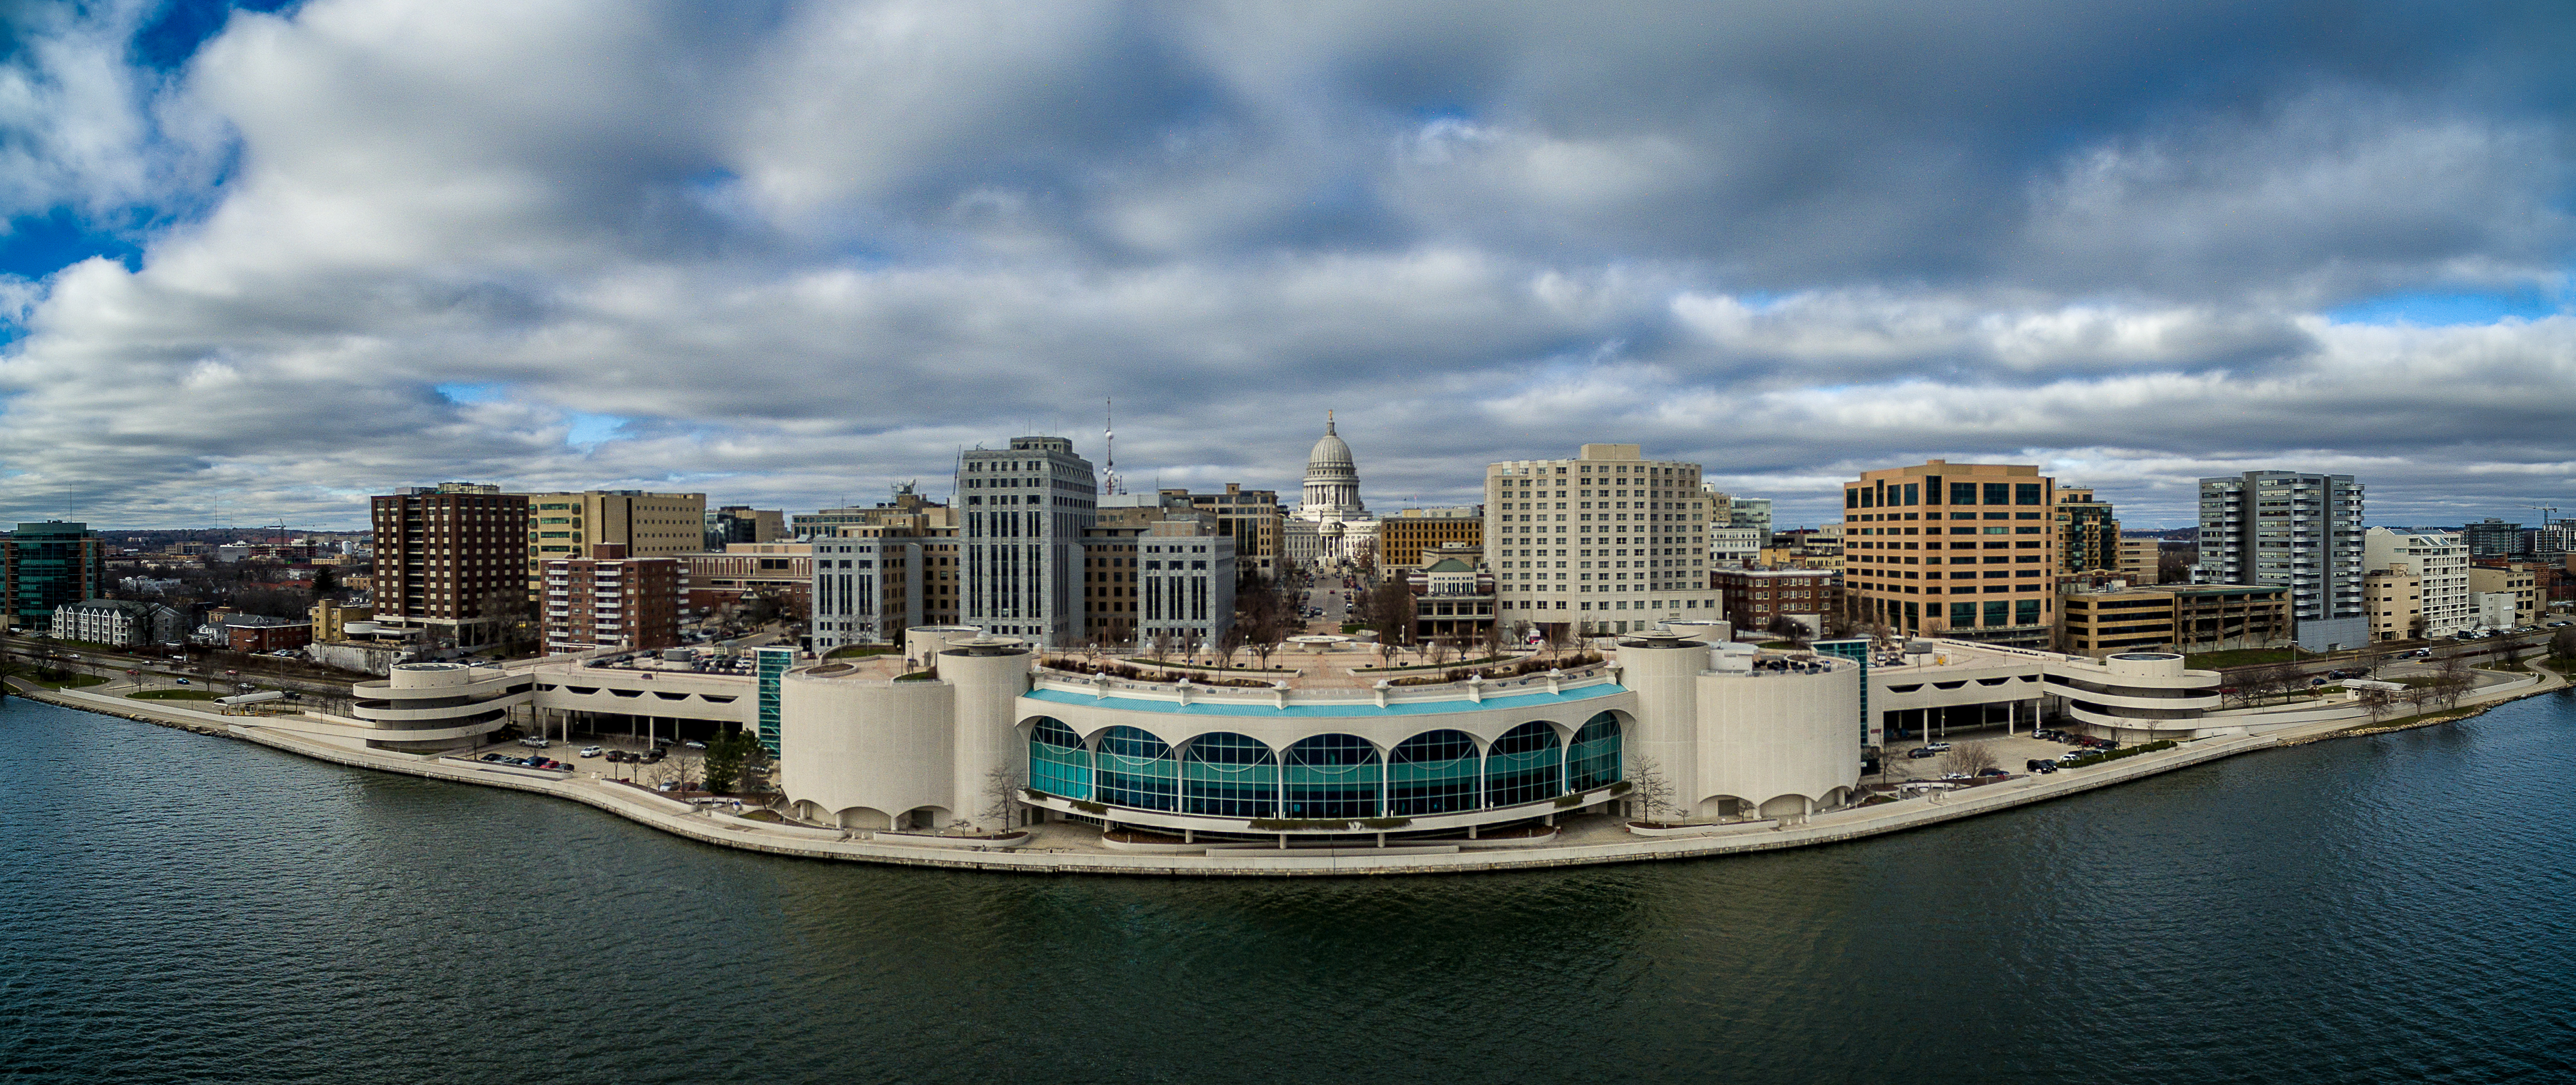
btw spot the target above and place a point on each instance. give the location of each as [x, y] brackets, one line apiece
[1557, 635]
[1232, 639]
[726, 758]
[1002, 795]
[1648, 788]
[2453, 681]
[1436, 652]
[2562, 644]
[2377, 702]
[2270, 679]
[1970, 757]
[1391, 610]
[1267, 635]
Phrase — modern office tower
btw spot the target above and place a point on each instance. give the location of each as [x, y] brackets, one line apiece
[867, 590]
[2493, 538]
[45, 565]
[2088, 532]
[1254, 519]
[742, 523]
[1605, 542]
[609, 600]
[2440, 563]
[1403, 539]
[569, 525]
[1025, 509]
[1954, 549]
[451, 560]
[1752, 512]
[2302, 531]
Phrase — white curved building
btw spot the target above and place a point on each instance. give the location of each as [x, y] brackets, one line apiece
[429, 706]
[2134, 696]
[1725, 733]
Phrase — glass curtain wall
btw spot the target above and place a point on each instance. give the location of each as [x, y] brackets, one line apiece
[1527, 764]
[1432, 773]
[1058, 763]
[1136, 769]
[1229, 776]
[1593, 760]
[1332, 776]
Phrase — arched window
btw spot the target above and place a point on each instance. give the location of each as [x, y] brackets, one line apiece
[1136, 769]
[1227, 775]
[1058, 763]
[1432, 773]
[1593, 760]
[1331, 776]
[1525, 765]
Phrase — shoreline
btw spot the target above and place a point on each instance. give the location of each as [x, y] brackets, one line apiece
[821, 844]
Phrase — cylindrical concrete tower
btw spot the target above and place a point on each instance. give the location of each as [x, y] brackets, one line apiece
[989, 674]
[1663, 668]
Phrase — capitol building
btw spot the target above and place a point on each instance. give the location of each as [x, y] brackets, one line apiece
[1330, 526]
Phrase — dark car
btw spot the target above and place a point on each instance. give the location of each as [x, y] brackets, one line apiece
[1918, 754]
[1994, 772]
[2033, 765]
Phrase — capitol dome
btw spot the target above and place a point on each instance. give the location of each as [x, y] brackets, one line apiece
[1330, 450]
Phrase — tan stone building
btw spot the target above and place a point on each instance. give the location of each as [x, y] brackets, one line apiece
[1956, 550]
[1254, 519]
[2393, 598]
[2182, 618]
[2519, 579]
[2141, 561]
[568, 525]
[1605, 542]
[1402, 539]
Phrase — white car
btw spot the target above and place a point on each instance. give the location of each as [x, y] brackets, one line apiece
[590, 751]
[1937, 747]
[694, 744]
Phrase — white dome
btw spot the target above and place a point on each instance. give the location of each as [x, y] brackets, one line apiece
[1330, 450]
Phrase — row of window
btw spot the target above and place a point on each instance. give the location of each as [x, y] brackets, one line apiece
[1225, 774]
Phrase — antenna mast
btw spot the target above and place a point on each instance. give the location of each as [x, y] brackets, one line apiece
[1109, 442]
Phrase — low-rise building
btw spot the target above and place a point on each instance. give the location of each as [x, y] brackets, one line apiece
[1454, 601]
[2138, 561]
[782, 570]
[253, 633]
[1734, 547]
[2183, 618]
[125, 623]
[1753, 597]
[1403, 539]
[2519, 580]
[2394, 598]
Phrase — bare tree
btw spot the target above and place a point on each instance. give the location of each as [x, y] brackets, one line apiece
[1436, 651]
[2453, 681]
[1002, 795]
[1266, 636]
[1648, 788]
[1970, 757]
[1231, 640]
[1556, 634]
[2377, 702]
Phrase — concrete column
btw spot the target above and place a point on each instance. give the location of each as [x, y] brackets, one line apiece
[989, 677]
[1664, 672]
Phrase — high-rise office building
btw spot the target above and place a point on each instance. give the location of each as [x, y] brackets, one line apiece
[2298, 530]
[742, 523]
[1964, 550]
[1605, 542]
[568, 525]
[2492, 538]
[45, 565]
[2088, 532]
[451, 560]
[1025, 509]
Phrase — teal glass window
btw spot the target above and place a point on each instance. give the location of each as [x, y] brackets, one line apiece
[1963, 493]
[1059, 763]
[1227, 775]
[2026, 612]
[1136, 769]
[1593, 760]
[1998, 613]
[1527, 764]
[1434, 772]
[1963, 615]
[1331, 776]
[1999, 493]
[2026, 493]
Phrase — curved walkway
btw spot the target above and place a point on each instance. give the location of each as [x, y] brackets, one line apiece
[728, 831]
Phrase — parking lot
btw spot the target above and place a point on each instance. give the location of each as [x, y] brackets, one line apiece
[2012, 753]
[679, 761]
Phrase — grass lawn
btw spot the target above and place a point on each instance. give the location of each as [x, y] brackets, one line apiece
[68, 681]
[862, 651]
[174, 695]
[2243, 657]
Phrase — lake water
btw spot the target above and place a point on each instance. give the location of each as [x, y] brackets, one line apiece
[191, 908]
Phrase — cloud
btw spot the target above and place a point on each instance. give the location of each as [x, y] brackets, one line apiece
[788, 254]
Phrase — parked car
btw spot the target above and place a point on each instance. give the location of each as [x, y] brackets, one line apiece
[694, 744]
[1937, 747]
[1918, 753]
[1956, 776]
[181, 681]
[489, 757]
[2045, 767]
[590, 751]
[1994, 772]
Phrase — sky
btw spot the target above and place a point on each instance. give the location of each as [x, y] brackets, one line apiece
[258, 261]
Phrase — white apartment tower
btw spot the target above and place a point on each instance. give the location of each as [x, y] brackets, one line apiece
[1606, 542]
[2440, 562]
[1024, 509]
[2292, 529]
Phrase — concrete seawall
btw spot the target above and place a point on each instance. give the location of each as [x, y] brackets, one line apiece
[803, 842]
